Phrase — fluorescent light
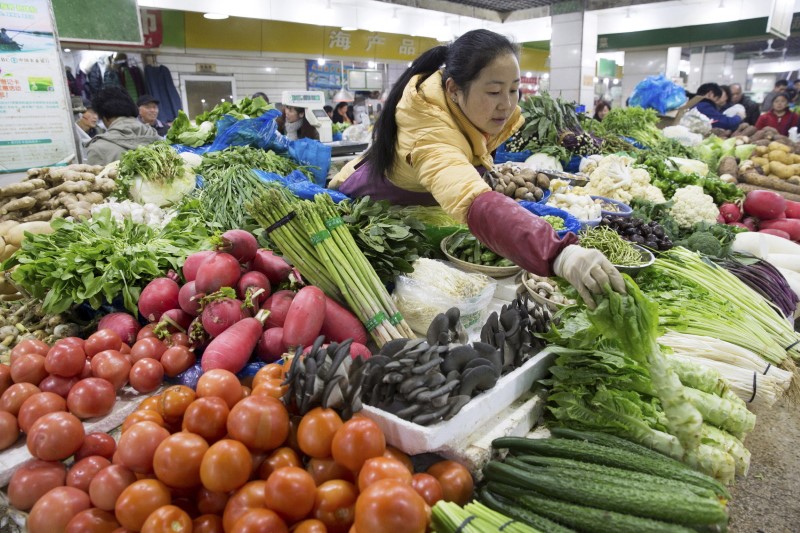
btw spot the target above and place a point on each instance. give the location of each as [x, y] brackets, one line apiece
[349, 28]
[546, 75]
[371, 64]
[67, 50]
[409, 64]
[616, 81]
[320, 61]
[529, 74]
[215, 16]
[596, 79]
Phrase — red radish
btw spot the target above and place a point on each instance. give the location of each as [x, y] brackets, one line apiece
[340, 324]
[776, 232]
[254, 281]
[358, 349]
[278, 305]
[789, 225]
[232, 349]
[751, 223]
[219, 270]
[765, 205]
[273, 266]
[174, 276]
[739, 225]
[304, 318]
[792, 209]
[240, 244]
[721, 219]
[270, 346]
[221, 314]
[730, 213]
[160, 295]
[189, 299]
[176, 320]
[124, 324]
[193, 262]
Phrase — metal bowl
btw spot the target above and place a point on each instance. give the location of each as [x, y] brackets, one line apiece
[493, 272]
[647, 259]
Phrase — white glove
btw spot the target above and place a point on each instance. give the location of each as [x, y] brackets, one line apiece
[588, 271]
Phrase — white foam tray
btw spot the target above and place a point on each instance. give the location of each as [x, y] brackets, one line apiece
[469, 422]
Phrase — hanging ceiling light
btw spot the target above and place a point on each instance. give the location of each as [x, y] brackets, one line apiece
[343, 95]
[215, 16]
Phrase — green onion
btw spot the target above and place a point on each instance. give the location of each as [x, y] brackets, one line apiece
[612, 245]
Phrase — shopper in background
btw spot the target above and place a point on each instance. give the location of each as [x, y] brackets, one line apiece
[148, 114]
[294, 124]
[340, 114]
[88, 123]
[713, 97]
[780, 87]
[262, 95]
[433, 141]
[779, 117]
[751, 108]
[601, 109]
[328, 111]
[125, 132]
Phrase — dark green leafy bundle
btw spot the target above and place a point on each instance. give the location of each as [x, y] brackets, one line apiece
[98, 260]
[636, 123]
[670, 179]
[204, 128]
[612, 144]
[390, 239]
[215, 163]
[546, 118]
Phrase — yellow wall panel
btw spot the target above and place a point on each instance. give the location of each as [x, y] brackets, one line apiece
[291, 38]
[533, 60]
[235, 33]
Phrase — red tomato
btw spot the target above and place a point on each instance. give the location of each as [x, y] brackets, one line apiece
[101, 340]
[226, 466]
[5, 377]
[146, 331]
[55, 436]
[207, 523]
[82, 473]
[290, 492]
[179, 339]
[9, 430]
[316, 431]
[334, 505]
[147, 415]
[33, 480]
[259, 422]
[92, 520]
[91, 397]
[312, 525]
[55, 509]
[28, 368]
[58, 385]
[279, 458]
[390, 506]
[270, 371]
[210, 502]
[13, 398]
[394, 453]
[65, 360]
[148, 348]
[138, 445]
[38, 405]
[87, 370]
[378, 468]
[174, 402]
[97, 443]
[207, 417]
[75, 341]
[167, 519]
[177, 459]
[126, 351]
[323, 470]
[222, 384]
[260, 521]
[112, 366]
[428, 487]
[152, 403]
[146, 375]
[250, 496]
[139, 500]
[30, 346]
[108, 484]
[177, 359]
[456, 481]
[356, 441]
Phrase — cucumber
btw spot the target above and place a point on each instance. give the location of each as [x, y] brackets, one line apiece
[676, 508]
[612, 441]
[521, 514]
[585, 518]
[618, 473]
[595, 453]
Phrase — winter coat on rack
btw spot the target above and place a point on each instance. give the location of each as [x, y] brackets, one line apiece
[95, 80]
[158, 80]
[111, 78]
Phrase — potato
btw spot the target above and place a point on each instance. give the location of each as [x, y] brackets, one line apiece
[775, 145]
[780, 156]
[5, 226]
[542, 180]
[780, 169]
[521, 192]
[761, 150]
[17, 233]
[510, 189]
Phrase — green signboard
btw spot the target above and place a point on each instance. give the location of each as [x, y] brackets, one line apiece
[104, 21]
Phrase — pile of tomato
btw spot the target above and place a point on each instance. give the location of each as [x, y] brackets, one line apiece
[230, 457]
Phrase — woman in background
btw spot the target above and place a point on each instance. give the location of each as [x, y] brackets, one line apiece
[294, 124]
[601, 110]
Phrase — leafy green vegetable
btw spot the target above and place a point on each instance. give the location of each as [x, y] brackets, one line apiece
[98, 260]
[546, 118]
[157, 162]
[204, 128]
[668, 179]
[634, 122]
[214, 163]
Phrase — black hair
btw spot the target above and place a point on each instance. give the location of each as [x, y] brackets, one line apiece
[782, 83]
[306, 131]
[602, 104]
[337, 118]
[113, 102]
[463, 61]
[788, 95]
[262, 95]
[727, 90]
[327, 108]
[711, 87]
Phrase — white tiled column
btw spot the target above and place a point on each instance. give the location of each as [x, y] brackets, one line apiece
[573, 51]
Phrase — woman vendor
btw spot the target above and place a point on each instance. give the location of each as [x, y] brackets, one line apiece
[433, 141]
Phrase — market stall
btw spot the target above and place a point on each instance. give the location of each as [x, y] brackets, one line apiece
[267, 353]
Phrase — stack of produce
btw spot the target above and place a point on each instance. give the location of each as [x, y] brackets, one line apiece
[619, 251]
[617, 178]
[517, 182]
[204, 128]
[779, 252]
[56, 192]
[634, 229]
[464, 246]
[765, 212]
[475, 517]
[24, 318]
[313, 237]
[580, 206]
[156, 174]
[592, 482]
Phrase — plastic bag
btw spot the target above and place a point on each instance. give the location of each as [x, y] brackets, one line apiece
[298, 183]
[571, 224]
[357, 133]
[736, 110]
[659, 93]
[682, 135]
[696, 122]
[434, 287]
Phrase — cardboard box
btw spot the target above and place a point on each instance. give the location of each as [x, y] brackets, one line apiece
[673, 118]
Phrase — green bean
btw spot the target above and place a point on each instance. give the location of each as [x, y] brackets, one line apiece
[615, 248]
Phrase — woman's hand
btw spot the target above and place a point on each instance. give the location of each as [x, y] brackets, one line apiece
[588, 271]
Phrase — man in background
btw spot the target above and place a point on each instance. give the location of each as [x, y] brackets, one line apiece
[780, 87]
[148, 114]
[751, 108]
[116, 109]
[88, 123]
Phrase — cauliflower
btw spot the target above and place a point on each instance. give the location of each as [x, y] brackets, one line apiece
[616, 178]
[692, 205]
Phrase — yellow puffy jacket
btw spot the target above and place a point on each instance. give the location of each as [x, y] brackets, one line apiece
[438, 148]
